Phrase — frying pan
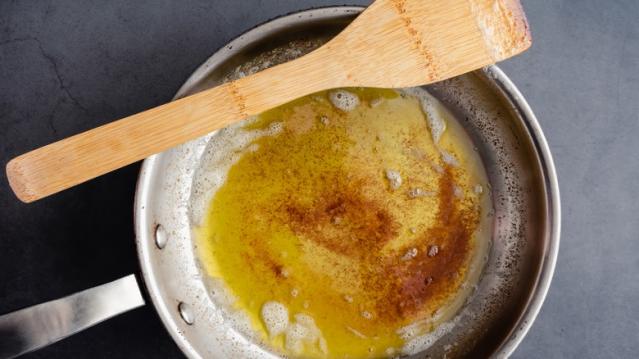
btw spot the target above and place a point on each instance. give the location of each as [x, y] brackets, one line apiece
[525, 218]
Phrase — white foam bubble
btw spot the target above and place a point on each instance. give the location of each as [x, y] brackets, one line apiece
[273, 129]
[239, 320]
[458, 192]
[410, 254]
[419, 192]
[430, 106]
[343, 100]
[308, 321]
[253, 147]
[433, 250]
[390, 351]
[323, 346]
[449, 158]
[302, 331]
[275, 317]
[394, 179]
[435, 121]
[295, 337]
[417, 343]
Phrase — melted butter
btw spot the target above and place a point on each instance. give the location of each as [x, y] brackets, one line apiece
[311, 219]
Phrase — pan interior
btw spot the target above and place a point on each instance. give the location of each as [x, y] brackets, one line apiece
[167, 205]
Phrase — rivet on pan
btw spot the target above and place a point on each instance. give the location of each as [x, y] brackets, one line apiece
[186, 313]
[160, 236]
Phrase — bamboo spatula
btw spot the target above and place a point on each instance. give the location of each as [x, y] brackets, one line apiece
[393, 43]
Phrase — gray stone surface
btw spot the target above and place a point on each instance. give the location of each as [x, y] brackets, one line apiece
[67, 66]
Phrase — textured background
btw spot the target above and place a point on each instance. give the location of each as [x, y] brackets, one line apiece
[67, 66]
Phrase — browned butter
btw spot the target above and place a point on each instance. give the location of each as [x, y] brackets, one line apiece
[364, 214]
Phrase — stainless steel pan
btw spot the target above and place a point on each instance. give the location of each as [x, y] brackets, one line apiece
[511, 290]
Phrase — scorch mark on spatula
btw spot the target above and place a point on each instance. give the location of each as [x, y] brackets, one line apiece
[400, 7]
[239, 99]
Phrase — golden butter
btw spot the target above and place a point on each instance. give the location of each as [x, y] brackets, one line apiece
[364, 220]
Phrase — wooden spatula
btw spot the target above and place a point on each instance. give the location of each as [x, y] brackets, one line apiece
[394, 43]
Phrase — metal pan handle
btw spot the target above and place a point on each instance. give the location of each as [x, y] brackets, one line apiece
[34, 327]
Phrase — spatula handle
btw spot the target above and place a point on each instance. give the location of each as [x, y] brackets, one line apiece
[76, 159]
[79, 158]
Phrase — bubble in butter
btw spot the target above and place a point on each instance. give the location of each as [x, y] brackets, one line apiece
[353, 230]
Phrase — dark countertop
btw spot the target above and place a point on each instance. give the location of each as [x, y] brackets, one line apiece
[68, 66]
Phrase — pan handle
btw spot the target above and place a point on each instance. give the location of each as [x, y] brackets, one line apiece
[40, 325]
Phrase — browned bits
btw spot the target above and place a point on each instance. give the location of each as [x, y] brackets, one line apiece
[344, 221]
[413, 291]
[347, 222]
